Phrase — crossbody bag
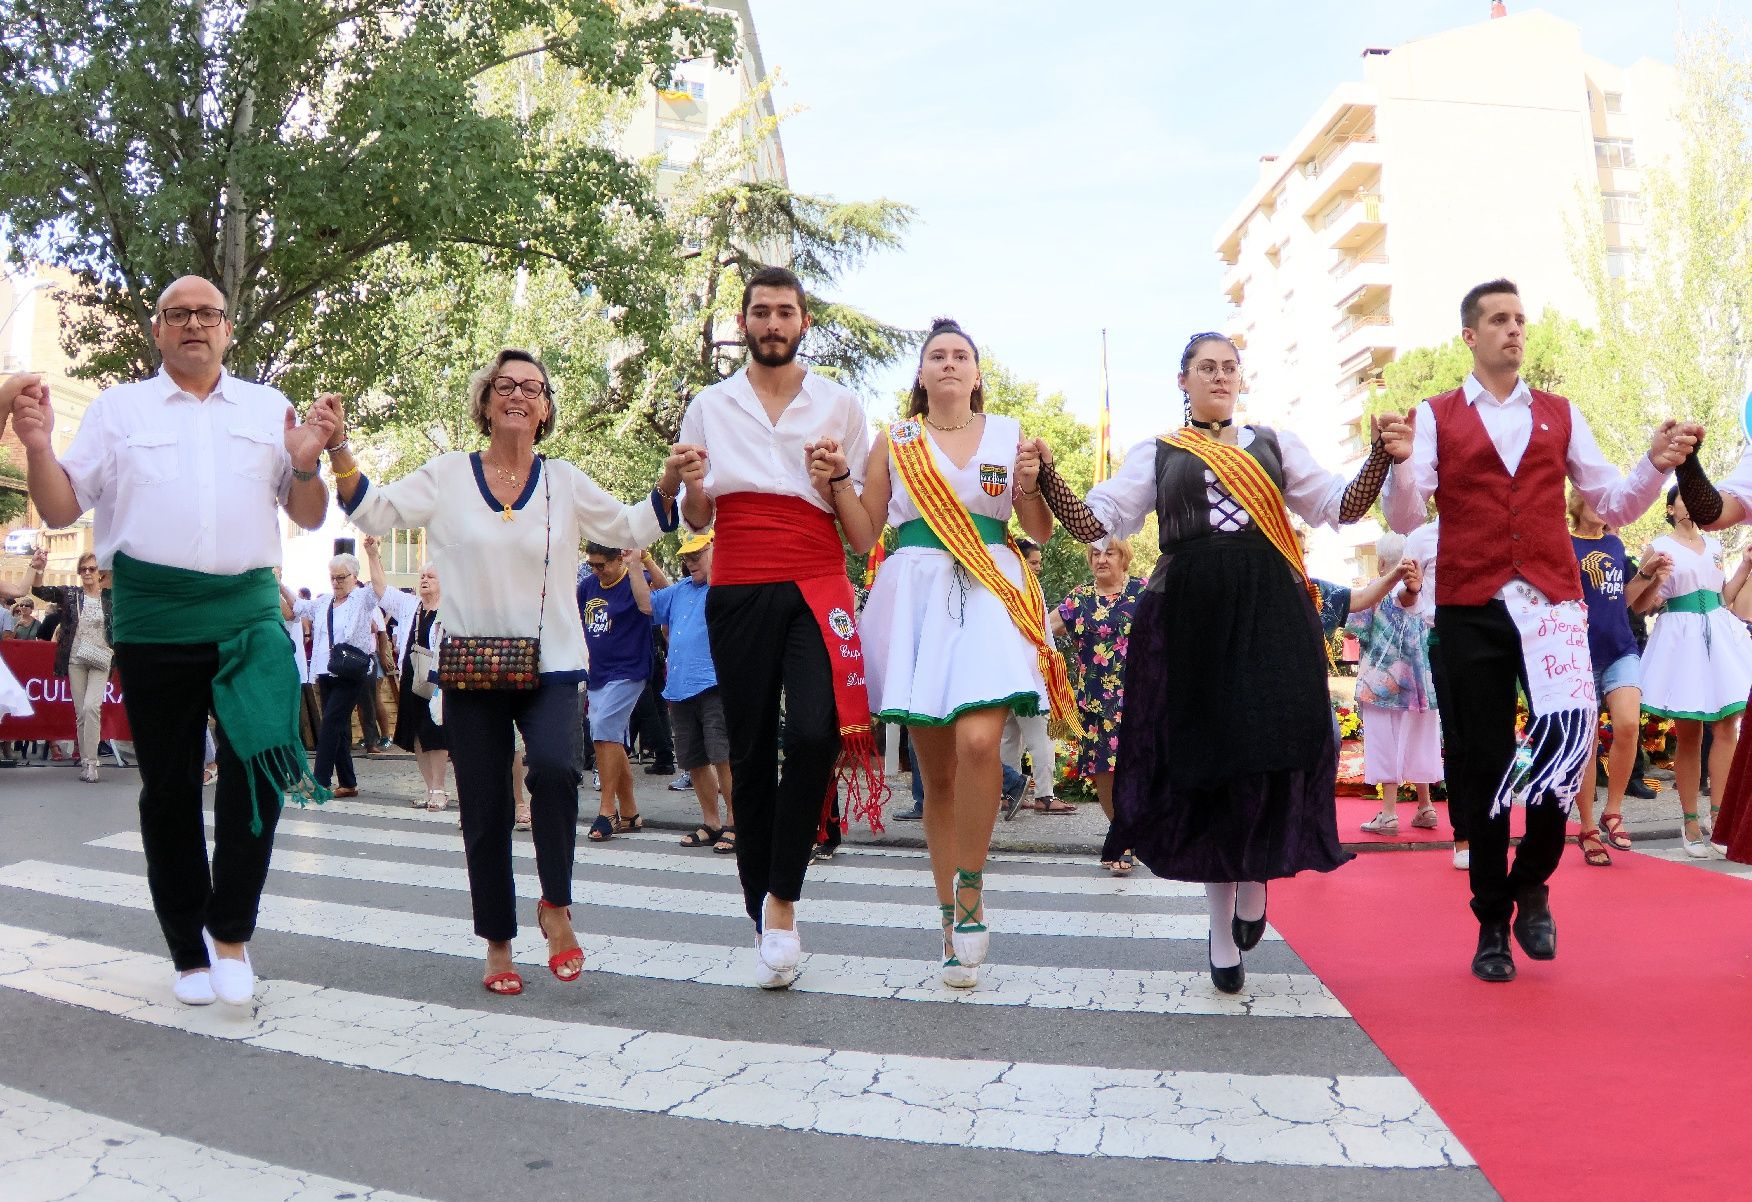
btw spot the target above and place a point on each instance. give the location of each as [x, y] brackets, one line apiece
[506, 661]
[423, 661]
[345, 661]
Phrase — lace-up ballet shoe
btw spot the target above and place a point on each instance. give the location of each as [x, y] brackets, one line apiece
[779, 949]
[234, 981]
[766, 975]
[969, 934]
[195, 989]
[954, 973]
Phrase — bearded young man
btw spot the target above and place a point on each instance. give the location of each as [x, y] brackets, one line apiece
[780, 608]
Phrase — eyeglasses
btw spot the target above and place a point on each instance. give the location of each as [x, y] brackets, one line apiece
[505, 386]
[1208, 370]
[596, 565]
[341, 577]
[90, 567]
[206, 315]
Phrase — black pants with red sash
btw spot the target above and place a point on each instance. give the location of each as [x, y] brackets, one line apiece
[768, 652]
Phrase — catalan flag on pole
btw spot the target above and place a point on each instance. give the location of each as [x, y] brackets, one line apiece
[1104, 431]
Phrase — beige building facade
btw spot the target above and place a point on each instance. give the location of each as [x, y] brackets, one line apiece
[1455, 159]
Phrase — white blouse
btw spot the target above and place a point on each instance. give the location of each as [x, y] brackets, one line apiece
[1122, 502]
[356, 624]
[491, 561]
[992, 466]
[1692, 570]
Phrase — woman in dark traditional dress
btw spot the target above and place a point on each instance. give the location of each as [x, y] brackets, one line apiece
[1227, 760]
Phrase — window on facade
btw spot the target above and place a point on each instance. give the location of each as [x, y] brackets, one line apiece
[1620, 262]
[1621, 208]
[1614, 152]
[1615, 102]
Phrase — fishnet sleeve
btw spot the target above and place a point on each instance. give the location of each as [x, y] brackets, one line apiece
[1702, 501]
[1071, 511]
[1362, 491]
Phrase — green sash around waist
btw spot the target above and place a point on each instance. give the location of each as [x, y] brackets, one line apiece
[1701, 601]
[256, 690]
[918, 533]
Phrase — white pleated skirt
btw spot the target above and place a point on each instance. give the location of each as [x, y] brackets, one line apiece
[937, 643]
[1697, 666]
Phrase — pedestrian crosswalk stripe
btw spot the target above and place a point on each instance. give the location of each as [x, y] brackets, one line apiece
[1088, 924]
[704, 863]
[850, 850]
[1269, 995]
[1288, 1119]
[48, 1150]
[1678, 855]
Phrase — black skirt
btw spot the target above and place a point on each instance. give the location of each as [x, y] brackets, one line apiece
[1228, 762]
[413, 715]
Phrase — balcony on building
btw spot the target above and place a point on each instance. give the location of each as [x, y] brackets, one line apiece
[1348, 166]
[1235, 282]
[1354, 222]
[1366, 341]
[1362, 282]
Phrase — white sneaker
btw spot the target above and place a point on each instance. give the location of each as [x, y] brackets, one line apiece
[1462, 858]
[766, 975]
[234, 981]
[196, 989]
[1382, 824]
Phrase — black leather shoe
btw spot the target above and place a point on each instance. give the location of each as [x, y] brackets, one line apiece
[1227, 980]
[1638, 790]
[1247, 932]
[1535, 929]
[1493, 962]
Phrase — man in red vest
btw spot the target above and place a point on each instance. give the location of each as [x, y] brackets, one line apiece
[1496, 454]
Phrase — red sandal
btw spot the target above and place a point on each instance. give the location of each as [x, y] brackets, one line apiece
[512, 982]
[567, 966]
[1597, 855]
[1616, 836]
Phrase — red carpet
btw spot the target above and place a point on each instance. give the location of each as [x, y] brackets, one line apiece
[1620, 1070]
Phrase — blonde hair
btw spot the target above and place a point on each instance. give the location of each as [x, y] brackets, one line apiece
[481, 381]
[92, 556]
[1121, 549]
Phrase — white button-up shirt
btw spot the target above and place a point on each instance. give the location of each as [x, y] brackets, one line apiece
[1619, 500]
[356, 624]
[748, 452]
[184, 482]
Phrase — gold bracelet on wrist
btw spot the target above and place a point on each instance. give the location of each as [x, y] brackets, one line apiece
[352, 471]
[1022, 492]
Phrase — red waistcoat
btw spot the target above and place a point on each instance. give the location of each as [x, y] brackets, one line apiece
[1495, 526]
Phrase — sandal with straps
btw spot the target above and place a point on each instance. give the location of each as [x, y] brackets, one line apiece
[567, 965]
[726, 844]
[1617, 838]
[1596, 855]
[601, 830]
[702, 836]
[622, 826]
[505, 984]
[969, 935]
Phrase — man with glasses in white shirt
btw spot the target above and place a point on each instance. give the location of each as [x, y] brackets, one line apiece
[186, 471]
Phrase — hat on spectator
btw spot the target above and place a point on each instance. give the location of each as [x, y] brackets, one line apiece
[696, 544]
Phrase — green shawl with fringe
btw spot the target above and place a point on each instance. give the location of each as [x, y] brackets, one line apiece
[256, 691]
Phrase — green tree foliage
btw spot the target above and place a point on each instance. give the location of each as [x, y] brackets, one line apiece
[1675, 332]
[1553, 344]
[281, 146]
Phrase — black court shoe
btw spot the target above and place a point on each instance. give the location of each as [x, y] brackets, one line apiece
[1493, 961]
[1227, 980]
[1247, 931]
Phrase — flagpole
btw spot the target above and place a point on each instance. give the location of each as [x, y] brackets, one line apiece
[1104, 430]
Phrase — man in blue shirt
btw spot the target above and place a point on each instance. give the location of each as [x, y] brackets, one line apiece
[696, 714]
[614, 601]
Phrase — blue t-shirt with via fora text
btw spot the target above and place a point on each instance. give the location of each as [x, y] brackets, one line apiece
[682, 608]
[1605, 571]
[616, 633]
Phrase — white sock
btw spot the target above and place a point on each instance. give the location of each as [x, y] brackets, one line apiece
[1221, 898]
[1250, 901]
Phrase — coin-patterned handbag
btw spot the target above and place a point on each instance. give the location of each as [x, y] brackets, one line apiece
[494, 661]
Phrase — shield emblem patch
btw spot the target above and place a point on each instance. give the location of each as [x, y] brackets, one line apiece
[993, 478]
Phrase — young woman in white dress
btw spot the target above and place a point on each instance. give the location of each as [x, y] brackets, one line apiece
[1697, 666]
[942, 654]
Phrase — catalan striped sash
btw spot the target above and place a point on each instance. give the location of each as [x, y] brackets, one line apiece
[949, 519]
[1244, 479]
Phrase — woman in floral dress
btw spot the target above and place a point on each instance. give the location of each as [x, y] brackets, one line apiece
[1097, 619]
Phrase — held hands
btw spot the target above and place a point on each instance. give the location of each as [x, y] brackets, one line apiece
[1410, 573]
[1028, 466]
[826, 459]
[1043, 450]
[39, 560]
[1395, 432]
[1673, 443]
[686, 464]
[1656, 564]
[305, 442]
[335, 405]
[371, 542]
[26, 398]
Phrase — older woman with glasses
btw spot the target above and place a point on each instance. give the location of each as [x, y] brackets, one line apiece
[503, 527]
[82, 647]
[343, 624]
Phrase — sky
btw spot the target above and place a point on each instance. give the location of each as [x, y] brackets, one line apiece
[1070, 163]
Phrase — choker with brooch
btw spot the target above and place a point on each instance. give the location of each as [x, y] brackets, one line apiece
[1212, 427]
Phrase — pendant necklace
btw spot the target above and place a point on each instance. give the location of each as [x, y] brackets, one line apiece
[1213, 428]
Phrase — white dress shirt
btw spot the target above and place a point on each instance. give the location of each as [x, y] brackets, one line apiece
[491, 568]
[356, 624]
[747, 452]
[1124, 500]
[1619, 500]
[184, 482]
[295, 632]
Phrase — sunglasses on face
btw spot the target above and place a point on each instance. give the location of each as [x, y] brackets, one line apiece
[596, 565]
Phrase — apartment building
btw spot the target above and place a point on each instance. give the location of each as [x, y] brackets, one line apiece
[1454, 159]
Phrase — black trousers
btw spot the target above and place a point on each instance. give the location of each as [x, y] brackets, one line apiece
[1453, 751]
[477, 725]
[167, 690]
[334, 739]
[650, 725]
[767, 649]
[368, 731]
[1481, 651]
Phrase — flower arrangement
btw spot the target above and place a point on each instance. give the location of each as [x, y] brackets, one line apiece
[1350, 723]
[1657, 737]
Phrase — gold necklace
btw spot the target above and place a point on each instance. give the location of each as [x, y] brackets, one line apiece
[949, 429]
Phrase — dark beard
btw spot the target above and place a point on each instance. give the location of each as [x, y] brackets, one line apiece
[770, 358]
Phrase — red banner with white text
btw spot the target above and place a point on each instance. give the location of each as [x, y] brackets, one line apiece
[33, 663]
